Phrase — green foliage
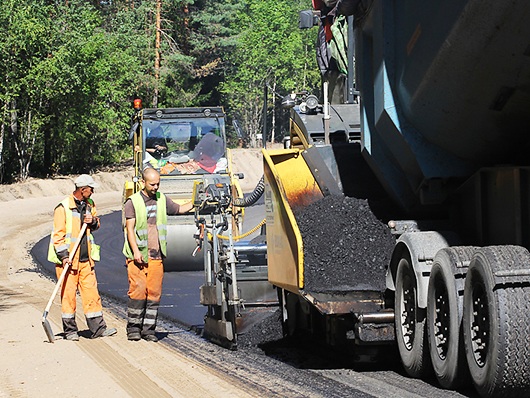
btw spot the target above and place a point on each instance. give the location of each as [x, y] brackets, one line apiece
[70, 70]
[270, 50]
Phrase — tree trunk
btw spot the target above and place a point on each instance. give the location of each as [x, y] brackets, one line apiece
[33, 137]
[273, 111]
[305, 68]
[16, 138]
[2, 135]
[24, 140]
[254, 118]
[157, 53]
[185, 44]
[47, 150]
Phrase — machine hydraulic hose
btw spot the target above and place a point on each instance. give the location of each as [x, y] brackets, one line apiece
[216, 196]
[244, 235]
[253, 197]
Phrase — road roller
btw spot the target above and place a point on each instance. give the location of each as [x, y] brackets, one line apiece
[185, 145]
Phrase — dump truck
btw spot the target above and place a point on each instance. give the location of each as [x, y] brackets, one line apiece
[442, 113]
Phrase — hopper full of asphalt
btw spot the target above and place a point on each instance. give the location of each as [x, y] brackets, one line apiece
[346, 247]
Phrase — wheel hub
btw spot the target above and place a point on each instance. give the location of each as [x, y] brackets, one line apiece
[479, 325]
[408, 314]
[441, 323]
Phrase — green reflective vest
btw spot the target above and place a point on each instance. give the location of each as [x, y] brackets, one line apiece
[140, 227]
[68, 240]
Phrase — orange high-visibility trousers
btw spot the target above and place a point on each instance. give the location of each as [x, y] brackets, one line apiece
[84, 279]
[145, 283]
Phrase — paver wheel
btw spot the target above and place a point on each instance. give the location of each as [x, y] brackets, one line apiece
[410, 321]
[444, 315]
[496, 322]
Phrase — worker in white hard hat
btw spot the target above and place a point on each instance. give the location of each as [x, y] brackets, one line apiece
[69, 216]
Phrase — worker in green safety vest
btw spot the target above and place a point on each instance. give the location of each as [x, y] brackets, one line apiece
[145, 248]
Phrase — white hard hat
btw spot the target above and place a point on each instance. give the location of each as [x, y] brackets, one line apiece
[84, 180]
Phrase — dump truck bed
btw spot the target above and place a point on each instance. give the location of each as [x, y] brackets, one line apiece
[444, 88]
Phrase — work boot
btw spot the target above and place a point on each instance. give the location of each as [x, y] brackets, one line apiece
[134, 336]
[69, 325]
[109, 332]
[150, 337]
[97, 325]
[72, 337]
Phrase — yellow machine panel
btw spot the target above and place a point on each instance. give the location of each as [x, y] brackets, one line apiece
[289, 184]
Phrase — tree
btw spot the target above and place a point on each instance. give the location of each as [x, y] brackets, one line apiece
[71, 68]
[270, 50]
[212, 37]
[25, 42]
[70, 74]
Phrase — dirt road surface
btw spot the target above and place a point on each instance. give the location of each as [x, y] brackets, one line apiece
[112, 366]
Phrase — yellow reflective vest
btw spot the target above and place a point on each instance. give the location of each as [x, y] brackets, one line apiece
[69, 241]
[140, 226]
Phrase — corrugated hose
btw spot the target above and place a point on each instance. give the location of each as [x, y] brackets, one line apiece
[240, 236]
[253, 197]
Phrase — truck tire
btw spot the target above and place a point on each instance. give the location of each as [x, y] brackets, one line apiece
[496, 322]
[444, 315]
[410, 321]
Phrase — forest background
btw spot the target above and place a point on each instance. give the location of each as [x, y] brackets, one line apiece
[70, 70]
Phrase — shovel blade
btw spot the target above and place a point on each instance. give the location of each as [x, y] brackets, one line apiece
[48, 330]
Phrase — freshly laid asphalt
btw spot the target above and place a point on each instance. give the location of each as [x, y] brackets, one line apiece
[180, 291]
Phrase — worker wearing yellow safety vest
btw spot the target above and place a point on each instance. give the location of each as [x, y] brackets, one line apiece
[66, 228]
[145, 248]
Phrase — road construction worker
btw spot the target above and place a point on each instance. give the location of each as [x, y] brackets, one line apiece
[66, 228]
[155, 143]
[145, 248]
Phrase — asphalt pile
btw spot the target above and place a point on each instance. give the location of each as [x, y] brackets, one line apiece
[268, 329]
[346, 247]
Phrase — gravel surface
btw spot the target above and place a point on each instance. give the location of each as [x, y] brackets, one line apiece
[345, 246]
[183, 363]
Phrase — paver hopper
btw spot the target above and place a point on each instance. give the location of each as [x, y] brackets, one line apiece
[295, 178]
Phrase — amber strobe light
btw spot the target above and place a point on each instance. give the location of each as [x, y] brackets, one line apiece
[137, 104]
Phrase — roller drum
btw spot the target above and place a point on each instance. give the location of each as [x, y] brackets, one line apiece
[181, 244]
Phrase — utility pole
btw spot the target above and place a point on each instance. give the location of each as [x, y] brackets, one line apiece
[157, 53]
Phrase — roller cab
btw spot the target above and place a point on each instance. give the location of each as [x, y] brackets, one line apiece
[185, 145]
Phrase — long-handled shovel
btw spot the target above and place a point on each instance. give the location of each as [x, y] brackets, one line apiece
[45, 323]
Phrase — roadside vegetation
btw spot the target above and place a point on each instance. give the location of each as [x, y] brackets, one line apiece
[71, 68]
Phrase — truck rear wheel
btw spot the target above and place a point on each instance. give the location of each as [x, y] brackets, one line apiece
[410, 321]
[444, 315]
[496, 322]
